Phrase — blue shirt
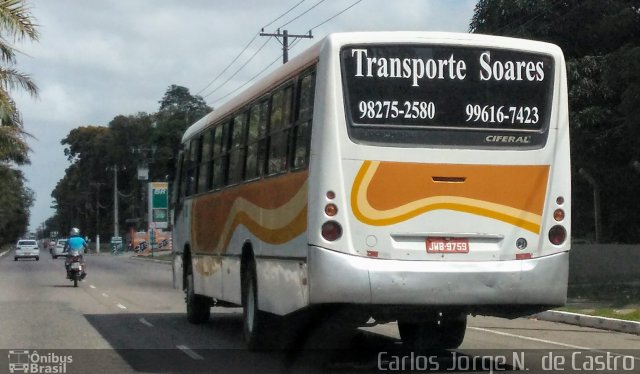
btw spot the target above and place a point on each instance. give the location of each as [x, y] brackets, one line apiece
[76, 243]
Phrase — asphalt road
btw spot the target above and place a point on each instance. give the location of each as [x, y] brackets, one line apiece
[125, 317]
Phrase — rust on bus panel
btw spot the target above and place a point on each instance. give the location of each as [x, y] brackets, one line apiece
[273, 209]
[510, 193]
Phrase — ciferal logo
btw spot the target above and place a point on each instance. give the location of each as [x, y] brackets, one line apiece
[508, 139]
[25, 361]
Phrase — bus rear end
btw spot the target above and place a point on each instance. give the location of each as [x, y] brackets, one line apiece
[448, 189]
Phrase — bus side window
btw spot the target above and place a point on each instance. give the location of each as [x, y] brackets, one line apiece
[256, 134]
[188, 167]
[220, 155]
[217, 179]
[279, 130]
[224, 158]
[176, 196]
[204, 174]
[304, 115]
[237, 148]
[192, 171]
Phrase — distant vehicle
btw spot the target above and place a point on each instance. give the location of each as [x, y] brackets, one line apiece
[58, 249]
[27, 248]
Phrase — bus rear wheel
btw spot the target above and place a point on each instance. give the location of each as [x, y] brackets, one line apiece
[436, 334]
[198, 306]
[254, 320]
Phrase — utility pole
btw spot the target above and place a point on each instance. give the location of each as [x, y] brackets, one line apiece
[285, 41]
[97, 184]
[115, 200]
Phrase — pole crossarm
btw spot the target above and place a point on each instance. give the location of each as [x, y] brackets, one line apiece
[285, 40]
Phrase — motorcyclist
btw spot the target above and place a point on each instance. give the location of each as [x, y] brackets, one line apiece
[75, 243]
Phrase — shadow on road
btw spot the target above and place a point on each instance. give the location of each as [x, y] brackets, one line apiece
[167, 343]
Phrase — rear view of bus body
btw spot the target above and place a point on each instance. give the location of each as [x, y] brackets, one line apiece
[423, 177]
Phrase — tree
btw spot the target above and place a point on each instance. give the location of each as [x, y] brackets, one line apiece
[93, 152]
[15, 200]
[178, 110]
[601, 41]
[16, 24]
[126, 142]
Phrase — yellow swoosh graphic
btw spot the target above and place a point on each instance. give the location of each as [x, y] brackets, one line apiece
[273, 226]
[368, 214]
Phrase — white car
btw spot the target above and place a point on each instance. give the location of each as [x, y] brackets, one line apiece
[58, 250]
[27, 248]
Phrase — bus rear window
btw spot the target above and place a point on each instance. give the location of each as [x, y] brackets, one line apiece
[443, 89]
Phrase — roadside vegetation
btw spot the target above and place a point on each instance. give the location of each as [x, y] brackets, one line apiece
[612, 301]
[16, 25]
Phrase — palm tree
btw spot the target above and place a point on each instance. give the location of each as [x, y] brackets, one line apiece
[16, 24]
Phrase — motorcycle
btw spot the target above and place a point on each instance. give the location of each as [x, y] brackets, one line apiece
[76, 268]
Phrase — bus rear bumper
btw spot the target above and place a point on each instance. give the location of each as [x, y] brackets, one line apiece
[341, 278]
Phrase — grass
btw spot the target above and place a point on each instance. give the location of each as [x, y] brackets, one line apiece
[158, 257]
[620, 301]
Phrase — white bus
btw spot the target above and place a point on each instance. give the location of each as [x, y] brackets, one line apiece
[410, 176]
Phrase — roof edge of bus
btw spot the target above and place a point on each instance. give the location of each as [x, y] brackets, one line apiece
[434, 35]
[299, 62]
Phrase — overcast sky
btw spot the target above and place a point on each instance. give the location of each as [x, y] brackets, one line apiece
[99, 59]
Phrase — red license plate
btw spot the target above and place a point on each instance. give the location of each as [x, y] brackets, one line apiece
[447, 245]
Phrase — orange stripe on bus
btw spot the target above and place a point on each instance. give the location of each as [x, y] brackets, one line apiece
[510, 193]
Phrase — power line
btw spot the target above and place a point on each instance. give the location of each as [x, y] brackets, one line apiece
[240, 68]
[335, 15]
[283, 14]
[303, 13]
[285, 41]
[228, 66]
[293, 44]
[245, 48]
[248, 81]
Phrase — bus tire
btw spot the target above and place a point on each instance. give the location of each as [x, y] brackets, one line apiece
[452, 332]
[253, 319]
[198, 306]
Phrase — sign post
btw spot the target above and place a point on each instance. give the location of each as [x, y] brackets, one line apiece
[158, 214]
[116, 244]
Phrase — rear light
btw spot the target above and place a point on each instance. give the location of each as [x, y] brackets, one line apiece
[558, 215]
[523, 256]
[331, 210]
[557, 235]
[331, 195]
[560, 200]
[331, 231]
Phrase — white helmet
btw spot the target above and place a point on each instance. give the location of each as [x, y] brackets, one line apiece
[75, 231]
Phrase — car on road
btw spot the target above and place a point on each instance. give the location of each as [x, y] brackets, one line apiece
[58, 250]
[27, 248]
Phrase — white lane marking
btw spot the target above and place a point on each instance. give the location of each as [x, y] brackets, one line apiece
[105, 295]
[551, 342]
[189, 352]
[145, 322]
[92, 286]
[121, 306]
